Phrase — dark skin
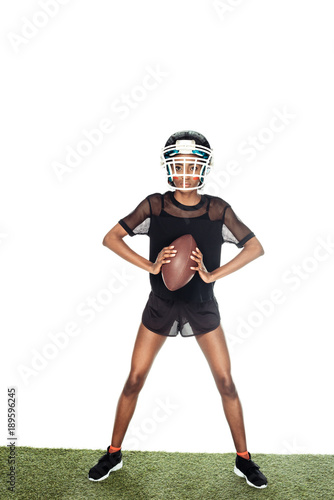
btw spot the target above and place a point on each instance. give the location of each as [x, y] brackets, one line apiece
[212, 344]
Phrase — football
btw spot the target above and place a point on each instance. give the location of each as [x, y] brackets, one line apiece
[177, 272]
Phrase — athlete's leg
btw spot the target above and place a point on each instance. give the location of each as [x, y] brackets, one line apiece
[213, 345]
[146, 347]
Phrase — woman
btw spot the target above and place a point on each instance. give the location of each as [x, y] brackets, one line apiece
[192, 310]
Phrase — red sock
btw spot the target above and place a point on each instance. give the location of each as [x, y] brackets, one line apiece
[112, 449]
[244, 454]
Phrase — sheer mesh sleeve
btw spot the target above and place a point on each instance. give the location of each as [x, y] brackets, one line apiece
[234, 230]
[138, 221]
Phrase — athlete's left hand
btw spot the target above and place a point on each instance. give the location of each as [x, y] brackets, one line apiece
[202, 270]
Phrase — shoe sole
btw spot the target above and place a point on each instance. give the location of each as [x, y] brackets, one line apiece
[117, 467]
[241, 474]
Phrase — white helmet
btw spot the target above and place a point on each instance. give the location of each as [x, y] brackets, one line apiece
[185, 143]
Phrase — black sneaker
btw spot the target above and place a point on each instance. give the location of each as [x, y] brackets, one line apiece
[108, 463]
[250, 471]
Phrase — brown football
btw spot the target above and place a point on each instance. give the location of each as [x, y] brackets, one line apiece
[177, 272]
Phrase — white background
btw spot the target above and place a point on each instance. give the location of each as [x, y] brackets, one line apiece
[225, 74]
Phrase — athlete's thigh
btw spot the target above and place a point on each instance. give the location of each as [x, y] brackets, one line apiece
[213, 345]
[147, 346]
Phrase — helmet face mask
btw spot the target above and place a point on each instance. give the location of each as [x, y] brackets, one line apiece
[186, 162]
[186, 172]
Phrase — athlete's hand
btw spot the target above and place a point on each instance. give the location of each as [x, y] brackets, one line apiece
[163, 258]
[202, 270]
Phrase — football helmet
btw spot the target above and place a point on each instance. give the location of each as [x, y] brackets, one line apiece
[186, 155]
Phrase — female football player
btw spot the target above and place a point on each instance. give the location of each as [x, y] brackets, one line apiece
[191, 310]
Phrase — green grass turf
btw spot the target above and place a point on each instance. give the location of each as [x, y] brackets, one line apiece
[44, 473]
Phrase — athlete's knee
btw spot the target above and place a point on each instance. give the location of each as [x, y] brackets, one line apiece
[226, 386]
[134, 383]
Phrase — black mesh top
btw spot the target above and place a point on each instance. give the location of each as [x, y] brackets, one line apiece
[211, 222]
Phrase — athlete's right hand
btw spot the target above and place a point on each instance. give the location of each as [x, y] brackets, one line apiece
[163, 258]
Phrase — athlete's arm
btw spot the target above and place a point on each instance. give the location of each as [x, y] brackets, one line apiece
[252, 250]
[114, 241]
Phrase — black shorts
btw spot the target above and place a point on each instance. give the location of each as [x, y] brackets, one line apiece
[168, 317]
